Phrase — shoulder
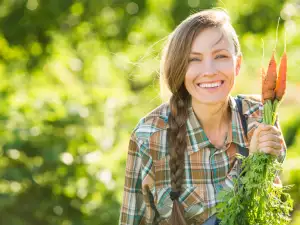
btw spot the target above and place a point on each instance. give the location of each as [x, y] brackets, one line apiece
[252, 105]
[154, 121]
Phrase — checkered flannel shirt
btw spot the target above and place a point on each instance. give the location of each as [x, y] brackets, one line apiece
[207, 169]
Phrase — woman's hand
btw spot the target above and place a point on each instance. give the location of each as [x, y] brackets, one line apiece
[266, 138]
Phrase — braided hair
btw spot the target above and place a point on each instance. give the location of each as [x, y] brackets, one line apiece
[177, 136]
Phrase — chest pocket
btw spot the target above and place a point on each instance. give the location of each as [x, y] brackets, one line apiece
[192, 197]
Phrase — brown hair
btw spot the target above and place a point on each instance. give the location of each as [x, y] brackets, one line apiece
[173, 69]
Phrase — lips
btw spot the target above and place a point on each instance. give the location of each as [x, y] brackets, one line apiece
[211, 84]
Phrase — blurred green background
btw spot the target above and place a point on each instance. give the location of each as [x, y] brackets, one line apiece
[75, 78]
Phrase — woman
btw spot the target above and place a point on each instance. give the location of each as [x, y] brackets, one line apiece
[183, 153]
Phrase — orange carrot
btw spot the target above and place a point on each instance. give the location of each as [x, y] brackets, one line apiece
[281, 81]
[269, 83]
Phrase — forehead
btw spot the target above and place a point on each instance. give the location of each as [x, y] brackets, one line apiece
[210, 39]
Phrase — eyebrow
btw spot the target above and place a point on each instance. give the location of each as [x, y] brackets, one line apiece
[216, 50]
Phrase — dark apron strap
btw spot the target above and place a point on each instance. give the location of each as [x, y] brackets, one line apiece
[243, 151]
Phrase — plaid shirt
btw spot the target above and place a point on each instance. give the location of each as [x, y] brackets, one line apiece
[207, 168]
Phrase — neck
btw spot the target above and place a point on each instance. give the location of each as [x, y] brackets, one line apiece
[213, 117]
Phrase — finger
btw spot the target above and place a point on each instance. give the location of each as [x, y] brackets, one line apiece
[269, 150]
[266, 126]
[254, 139]
[270, 144]
[266, 132]
[269, 127]
[269, 137]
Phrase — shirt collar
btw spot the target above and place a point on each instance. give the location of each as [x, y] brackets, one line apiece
[198, 139]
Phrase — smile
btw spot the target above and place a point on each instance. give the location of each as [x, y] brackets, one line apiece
[215, 84]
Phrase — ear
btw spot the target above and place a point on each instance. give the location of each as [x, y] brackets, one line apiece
[238, 65]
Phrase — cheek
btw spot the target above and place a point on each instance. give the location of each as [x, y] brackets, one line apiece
[226, 67]
[192, 70]
[191, 73]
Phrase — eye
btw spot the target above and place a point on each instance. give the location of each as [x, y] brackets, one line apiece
[221, 56]
[194, 59]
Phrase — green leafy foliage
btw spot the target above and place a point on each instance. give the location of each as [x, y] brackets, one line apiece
[76, 76]
[255, 199]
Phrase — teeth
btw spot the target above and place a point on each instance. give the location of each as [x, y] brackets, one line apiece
[216, 84]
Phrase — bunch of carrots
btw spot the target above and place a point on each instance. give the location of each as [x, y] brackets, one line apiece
[255, 200]
[273, 87]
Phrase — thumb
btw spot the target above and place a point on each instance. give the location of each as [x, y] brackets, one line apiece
[254, 139]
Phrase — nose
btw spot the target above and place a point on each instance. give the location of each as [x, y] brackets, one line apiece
[208, 67]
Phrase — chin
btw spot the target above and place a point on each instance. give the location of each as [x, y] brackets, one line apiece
[210, 100]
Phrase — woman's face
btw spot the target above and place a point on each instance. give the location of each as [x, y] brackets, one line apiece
[212, 67]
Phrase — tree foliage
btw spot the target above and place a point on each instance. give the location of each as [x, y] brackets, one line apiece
[76, 76]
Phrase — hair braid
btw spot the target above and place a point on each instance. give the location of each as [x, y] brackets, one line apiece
[177, 141]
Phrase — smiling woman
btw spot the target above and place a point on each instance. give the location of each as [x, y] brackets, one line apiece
[183, 153]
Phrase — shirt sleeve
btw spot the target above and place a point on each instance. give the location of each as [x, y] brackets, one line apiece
[135, 208]
[283, 150]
